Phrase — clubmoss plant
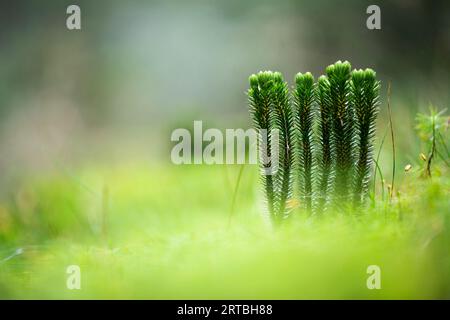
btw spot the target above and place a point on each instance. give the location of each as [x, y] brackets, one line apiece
[260, 96]
[342, 133]
[304, 96]
[331, 127]
[283, 121]
[325, 151]
[365, 100]
[270, 110]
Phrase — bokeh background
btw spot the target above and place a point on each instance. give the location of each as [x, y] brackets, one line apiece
[138, 69]
[87, 115]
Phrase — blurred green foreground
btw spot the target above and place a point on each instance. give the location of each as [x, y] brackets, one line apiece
[165, 232]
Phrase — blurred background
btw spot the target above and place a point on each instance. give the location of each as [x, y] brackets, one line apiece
[138, 69]
[86, 118]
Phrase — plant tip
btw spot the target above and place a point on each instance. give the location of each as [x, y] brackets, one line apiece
[253, 79]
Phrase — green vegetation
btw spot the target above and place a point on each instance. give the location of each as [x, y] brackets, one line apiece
[365, 100]
[303, 104]
[338, 136]
[342, 134]
[260, 97]
[433, 131]
[325, 162]
[270, 109]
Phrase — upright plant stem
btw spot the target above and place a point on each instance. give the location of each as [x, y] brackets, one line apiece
[282, 120]
[271, 110]
[259, 96]
[324, 163]
[365, 99]
[377, 167]
[377, 161]
[433, 146]
[343, 139]
[391, 193]
[303, 101]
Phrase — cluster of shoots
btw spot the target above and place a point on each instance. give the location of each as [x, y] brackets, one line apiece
[325, 131]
